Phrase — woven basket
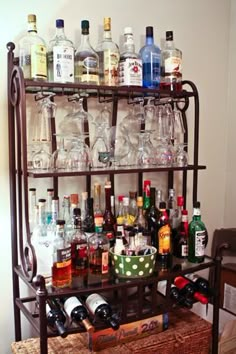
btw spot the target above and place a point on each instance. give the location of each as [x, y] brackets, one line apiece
[187, 334]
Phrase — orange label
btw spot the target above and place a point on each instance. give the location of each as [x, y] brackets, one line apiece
[63, 264]
[164, 241]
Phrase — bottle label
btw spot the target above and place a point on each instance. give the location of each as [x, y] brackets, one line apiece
[200, 238]
[184, 250]
[164, 239]
[173, 66]
[38, 61]
[63, 257]
[120, 228]
[93, 301]
[63, 64]
[87, 70]
[70, 304]
[130, 72]
[152, 70]
[105, 258]
[111, 61]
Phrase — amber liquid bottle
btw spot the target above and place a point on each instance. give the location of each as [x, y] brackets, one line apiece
[164, 241]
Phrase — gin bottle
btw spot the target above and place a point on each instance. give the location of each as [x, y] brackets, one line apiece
[151, 58]
[109, 56]
[86, 59]
[61, 56]
[32, 53]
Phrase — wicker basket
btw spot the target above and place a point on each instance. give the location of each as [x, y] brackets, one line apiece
[187, 334]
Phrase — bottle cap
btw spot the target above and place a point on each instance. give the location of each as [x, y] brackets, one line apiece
[74, 198]
[162, 205]
[60, 222]
[120, 198]
[169, 35]
[32, 189]
[50, 190]
[132, 195]
[184, 212]
[55, 198]
[149, 31]
[201, 298]
[59, 23]
[77, 212]
[128, 30]
[85, 24]
[31, 18]
[119, 234]
[107, 23]
[196, 205]
[42, 200]
[140, 201]
[171, 192]
[180, 200]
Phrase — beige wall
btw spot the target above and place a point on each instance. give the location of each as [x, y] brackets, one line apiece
[201, 30]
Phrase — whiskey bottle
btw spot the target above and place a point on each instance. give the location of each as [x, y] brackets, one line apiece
[98, 252]
[130, 65]
[164, 241]
[56, 319]
[100, 308]
[151, 59]
[86, 59]
[78, 313]
[79, 246]
[60, 56]
[61, 268]
[32, 53]
[171, 65]
[109, 56]
[197, 236]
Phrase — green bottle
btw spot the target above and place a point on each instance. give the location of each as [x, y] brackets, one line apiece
[197, 236]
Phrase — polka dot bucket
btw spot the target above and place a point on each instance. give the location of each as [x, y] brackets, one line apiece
[133, 266]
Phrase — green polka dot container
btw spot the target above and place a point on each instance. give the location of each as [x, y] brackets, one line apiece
[133, 266]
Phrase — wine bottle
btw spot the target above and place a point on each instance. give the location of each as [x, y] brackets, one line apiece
[152, 215]
[78, 312]
[201, 284]
[175, 294]
[56, 318]
[100, 308]
[187, 288]
[180, 242]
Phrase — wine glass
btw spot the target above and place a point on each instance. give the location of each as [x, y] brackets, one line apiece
[41, 160]
[100, 156]
[78, 157]
[59, 156]
[118, 147]
[181, 155]
[145, 151]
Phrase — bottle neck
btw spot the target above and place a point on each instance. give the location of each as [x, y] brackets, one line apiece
[107, 35]
[55, 210]
[66, 210]
[77, 222]
[169, 44]
[129, 43]
[108, 199]
[149, 40]
[42, 214]
[32, 27]
[60, 32]
[85, 43]
[196, 214]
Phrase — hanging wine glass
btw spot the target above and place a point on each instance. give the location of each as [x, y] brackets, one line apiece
[118, 147]
[181, 155]
[130, 126]
[145, 153]
[78, 157]
[100, 156]
[59, 156]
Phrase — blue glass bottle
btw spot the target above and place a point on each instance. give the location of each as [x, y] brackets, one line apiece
[151, 58]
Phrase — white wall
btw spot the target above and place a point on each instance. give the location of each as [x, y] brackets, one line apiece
[201, 30]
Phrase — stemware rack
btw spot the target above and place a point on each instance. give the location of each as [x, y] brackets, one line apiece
[146, 303]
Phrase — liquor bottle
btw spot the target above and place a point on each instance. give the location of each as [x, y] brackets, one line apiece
[177, 215]
[84, 205]
[197, 236]
[140, 222]
[77, 312]
[159, 198]
[42, 242]
[32, 204]
[152, 216]
[61, 268]
[60, 56]
[109, 220]
[109, 56]
[133, 209]
[163, 241]
[132, 248]
[98, 252]
[119, 247]
[113, 210]
[171, 65]
[56, 319]
[130, 65]
[201, 284]
[120, 215]
[175, 294]
[66, 216]
[151, 59]
[98, 214]
[146, 195]
[100, 308]
[50, 195]
[88, 222]
[86, 59]
[188, 289]
[171, 205]
[180, 242]
[32, 53]
[51, 228]
[79, 246]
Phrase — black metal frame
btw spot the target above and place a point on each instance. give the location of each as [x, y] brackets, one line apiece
[27, 270]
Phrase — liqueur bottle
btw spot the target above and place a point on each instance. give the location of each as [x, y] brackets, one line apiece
[109, 56]
[180, 242]
[152, 216]
[61, 268]
[86, 59]
[100, 308]
[151, 59]
[171, 65]
[163, 240]
[79, 246]
[109, 220]
[60, 56]
[32, 53]
[98, 252]
[88, 222]
[197, 236]
[130, 65]
[188, 289]
[56, 319]
[77, 312]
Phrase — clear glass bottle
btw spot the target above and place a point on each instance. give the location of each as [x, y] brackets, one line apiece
[171, 205]
[98, 214]
[32, 53]
[86, 59]
[130, 65]
[109, 57]
[140, 222]
[171, 65]
[50, 195]
[180, 242]
[61, 264]
[133, 209]
[98, 252]
[151, 59]
[84, 205]
[79, 246]
[197, 236]
[159, 197]
[32, 204]
[51, 228]
[60, 56]
[66, 216]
